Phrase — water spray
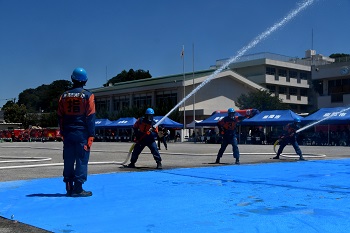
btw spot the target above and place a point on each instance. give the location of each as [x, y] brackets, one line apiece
[323, 119]
[241, 52]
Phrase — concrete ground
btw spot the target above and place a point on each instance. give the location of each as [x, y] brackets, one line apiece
[26, 161]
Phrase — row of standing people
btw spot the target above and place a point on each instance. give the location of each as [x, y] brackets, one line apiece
[76, 115]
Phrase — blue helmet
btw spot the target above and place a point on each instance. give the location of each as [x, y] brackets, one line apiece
[149, 111]
[297, 120]
[149, 114]
[231, 112]
[79, 74]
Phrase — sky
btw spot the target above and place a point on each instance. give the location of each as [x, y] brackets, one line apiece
[44, 40]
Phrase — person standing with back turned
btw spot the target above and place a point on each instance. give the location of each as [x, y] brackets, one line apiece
[76, 115]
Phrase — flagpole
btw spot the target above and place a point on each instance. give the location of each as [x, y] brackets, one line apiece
[184, 94]
[194, 96]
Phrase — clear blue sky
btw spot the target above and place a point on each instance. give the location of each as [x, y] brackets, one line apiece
[44, 40]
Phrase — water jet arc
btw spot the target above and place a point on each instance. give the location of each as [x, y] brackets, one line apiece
[242, 51]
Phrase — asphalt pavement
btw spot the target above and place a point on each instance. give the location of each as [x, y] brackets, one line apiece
[29, 160]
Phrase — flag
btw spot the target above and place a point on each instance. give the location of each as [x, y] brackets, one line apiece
[183, 51]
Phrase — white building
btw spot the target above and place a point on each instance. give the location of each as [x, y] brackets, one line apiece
[219, 94]
[332, 83]
[287, 77]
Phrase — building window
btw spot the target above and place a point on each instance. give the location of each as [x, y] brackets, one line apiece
[141, 101]
[116, 106]
[339, 86]
[166, 98]
[346, 81]
[293, 74]
[336, 98]
[120, 102]
[282, 90]
[346, 86]
[270, 71]
[282, 72]
[102, 105]
[303, 75]
[271, 88]
[303, 92]
[293, 91]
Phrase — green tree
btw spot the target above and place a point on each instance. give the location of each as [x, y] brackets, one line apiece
[9, 103]
[29, 99]
[336, 55]
[261, 100]
[48, 119]
[45, 97]
[131, 75]
[340, 57]
[31, 119]
[15, 113]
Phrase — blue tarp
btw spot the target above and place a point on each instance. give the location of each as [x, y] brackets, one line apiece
[272, 117]
[213, 119]
[339, 115]
[168, 123]
[102, 123]
[123, 123]
[289, 197]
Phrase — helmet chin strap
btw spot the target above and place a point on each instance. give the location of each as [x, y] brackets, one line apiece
[78, 84]
[231, 115]
[149, 117]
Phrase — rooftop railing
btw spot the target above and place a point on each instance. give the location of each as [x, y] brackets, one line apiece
[278, 57]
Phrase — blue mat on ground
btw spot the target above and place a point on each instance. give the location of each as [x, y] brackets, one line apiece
[311, 196]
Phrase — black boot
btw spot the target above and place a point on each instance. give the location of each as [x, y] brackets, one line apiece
[237, 162]
[301, 158]
[276, 157]
[79, 191]
[217, 160]
[131, 165]
[69, 188]
[159, 165]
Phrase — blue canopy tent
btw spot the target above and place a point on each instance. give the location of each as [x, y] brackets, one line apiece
[274, 119]
[214, 118]
[329, 120]
[168, 123]
[329, 116]
[271, 118]
[119, 130]
[100, 123]
[123, 123]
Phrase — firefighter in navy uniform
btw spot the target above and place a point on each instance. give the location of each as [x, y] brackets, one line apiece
[227, 128]
[162, 137]
[76, 115]
[290, 137]
[145, 134]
